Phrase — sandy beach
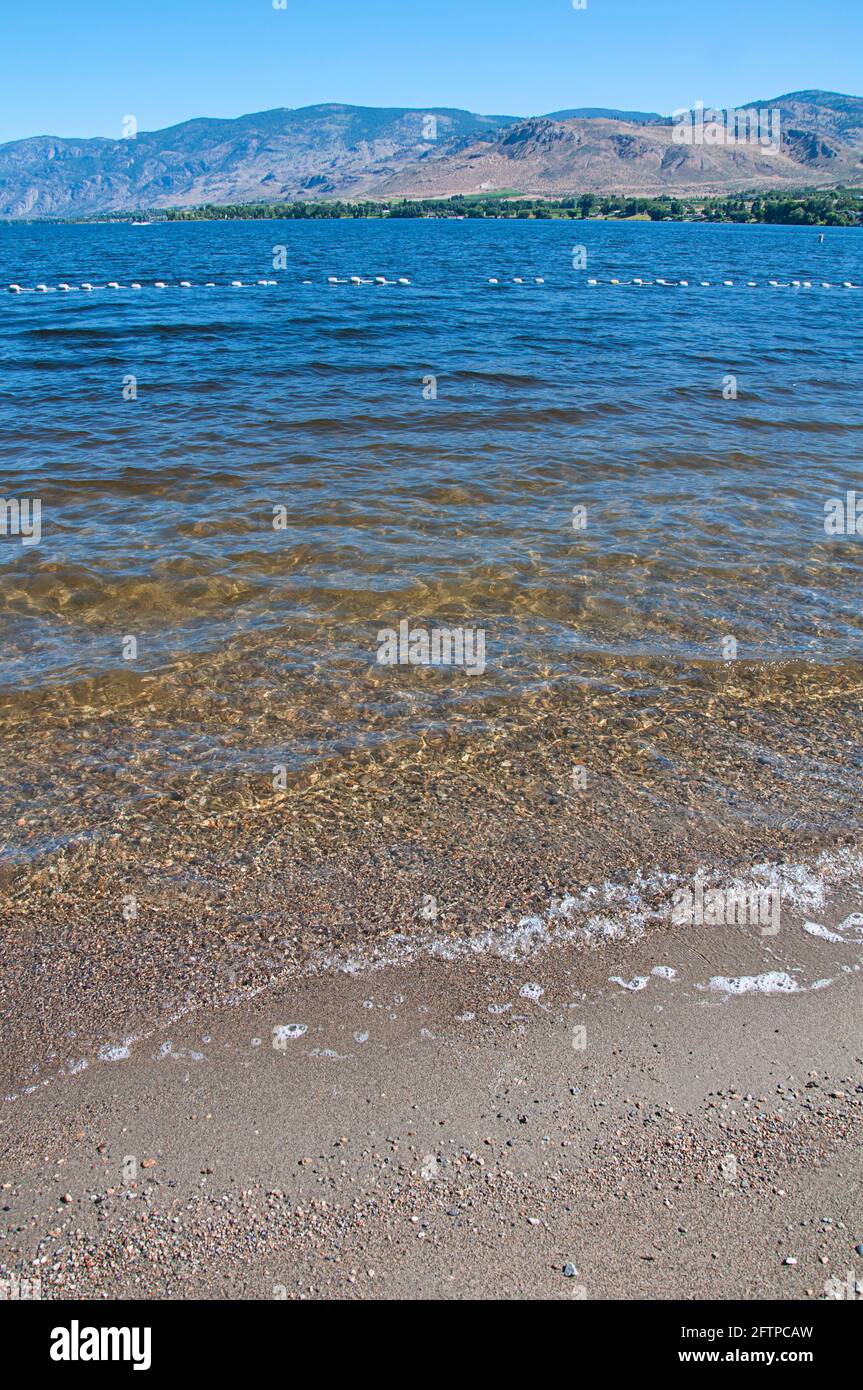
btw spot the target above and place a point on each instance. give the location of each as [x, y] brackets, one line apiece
[484, 1128]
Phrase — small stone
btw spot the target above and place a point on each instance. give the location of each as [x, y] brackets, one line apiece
[569, 1271]
[789, 1260]
[858, 1249]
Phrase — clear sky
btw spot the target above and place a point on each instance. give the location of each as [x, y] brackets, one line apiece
[77, 67]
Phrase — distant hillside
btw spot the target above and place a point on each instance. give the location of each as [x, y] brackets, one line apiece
[310, 152]
[598, 112]
[821, 145]
[341, 151]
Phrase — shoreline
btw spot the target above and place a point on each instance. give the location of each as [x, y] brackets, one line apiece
[610, 918]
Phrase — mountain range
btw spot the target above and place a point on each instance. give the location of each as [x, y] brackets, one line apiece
[337, 151]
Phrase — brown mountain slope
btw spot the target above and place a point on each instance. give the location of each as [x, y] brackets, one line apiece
[554, 158]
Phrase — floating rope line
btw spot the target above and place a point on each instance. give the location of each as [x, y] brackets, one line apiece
[739, 284]
[88, 287]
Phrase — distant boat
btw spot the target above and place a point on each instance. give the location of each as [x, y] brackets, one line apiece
[142, 224]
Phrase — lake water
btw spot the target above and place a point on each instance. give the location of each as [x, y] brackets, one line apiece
[425, 450]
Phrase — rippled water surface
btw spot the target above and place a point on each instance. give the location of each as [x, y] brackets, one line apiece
[255, 644]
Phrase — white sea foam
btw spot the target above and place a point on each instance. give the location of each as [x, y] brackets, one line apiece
[178, 1054]
[608, 912]
[531, 991]
[772, 982]
[815, 929]
[114, 1052]
[847, 933]
[288, 1032]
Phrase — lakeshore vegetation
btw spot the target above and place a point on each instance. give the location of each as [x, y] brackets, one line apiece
[838, 207]
[824, 208]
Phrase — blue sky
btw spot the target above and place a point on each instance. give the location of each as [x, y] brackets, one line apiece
[77, 67]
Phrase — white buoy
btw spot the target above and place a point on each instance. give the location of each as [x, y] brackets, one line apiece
[135, 285]
[305, 282]
[185, 284]
[160, 285]
[41, 289]
[684, 283]
[113, 285]
[848, 285]
[807, 284]
[706, 284]
[236, 284]
[539, 280]
[517, 280]
[380, 279]
[14, 289]
[593, 282]
[63, 286]
[774, 283]
[210, 285]
[403, 280]
[638, 282]
[826, 285]
[795, 284]
[751, 285]
[614, 282]
[730, 283]
[662, 282]
[85, 285]
[494, 282]
[356, 280]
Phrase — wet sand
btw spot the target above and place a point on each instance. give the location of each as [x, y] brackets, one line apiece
[444, 1130]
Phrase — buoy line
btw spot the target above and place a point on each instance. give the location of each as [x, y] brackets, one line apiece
[734, 284]
[88, 286]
